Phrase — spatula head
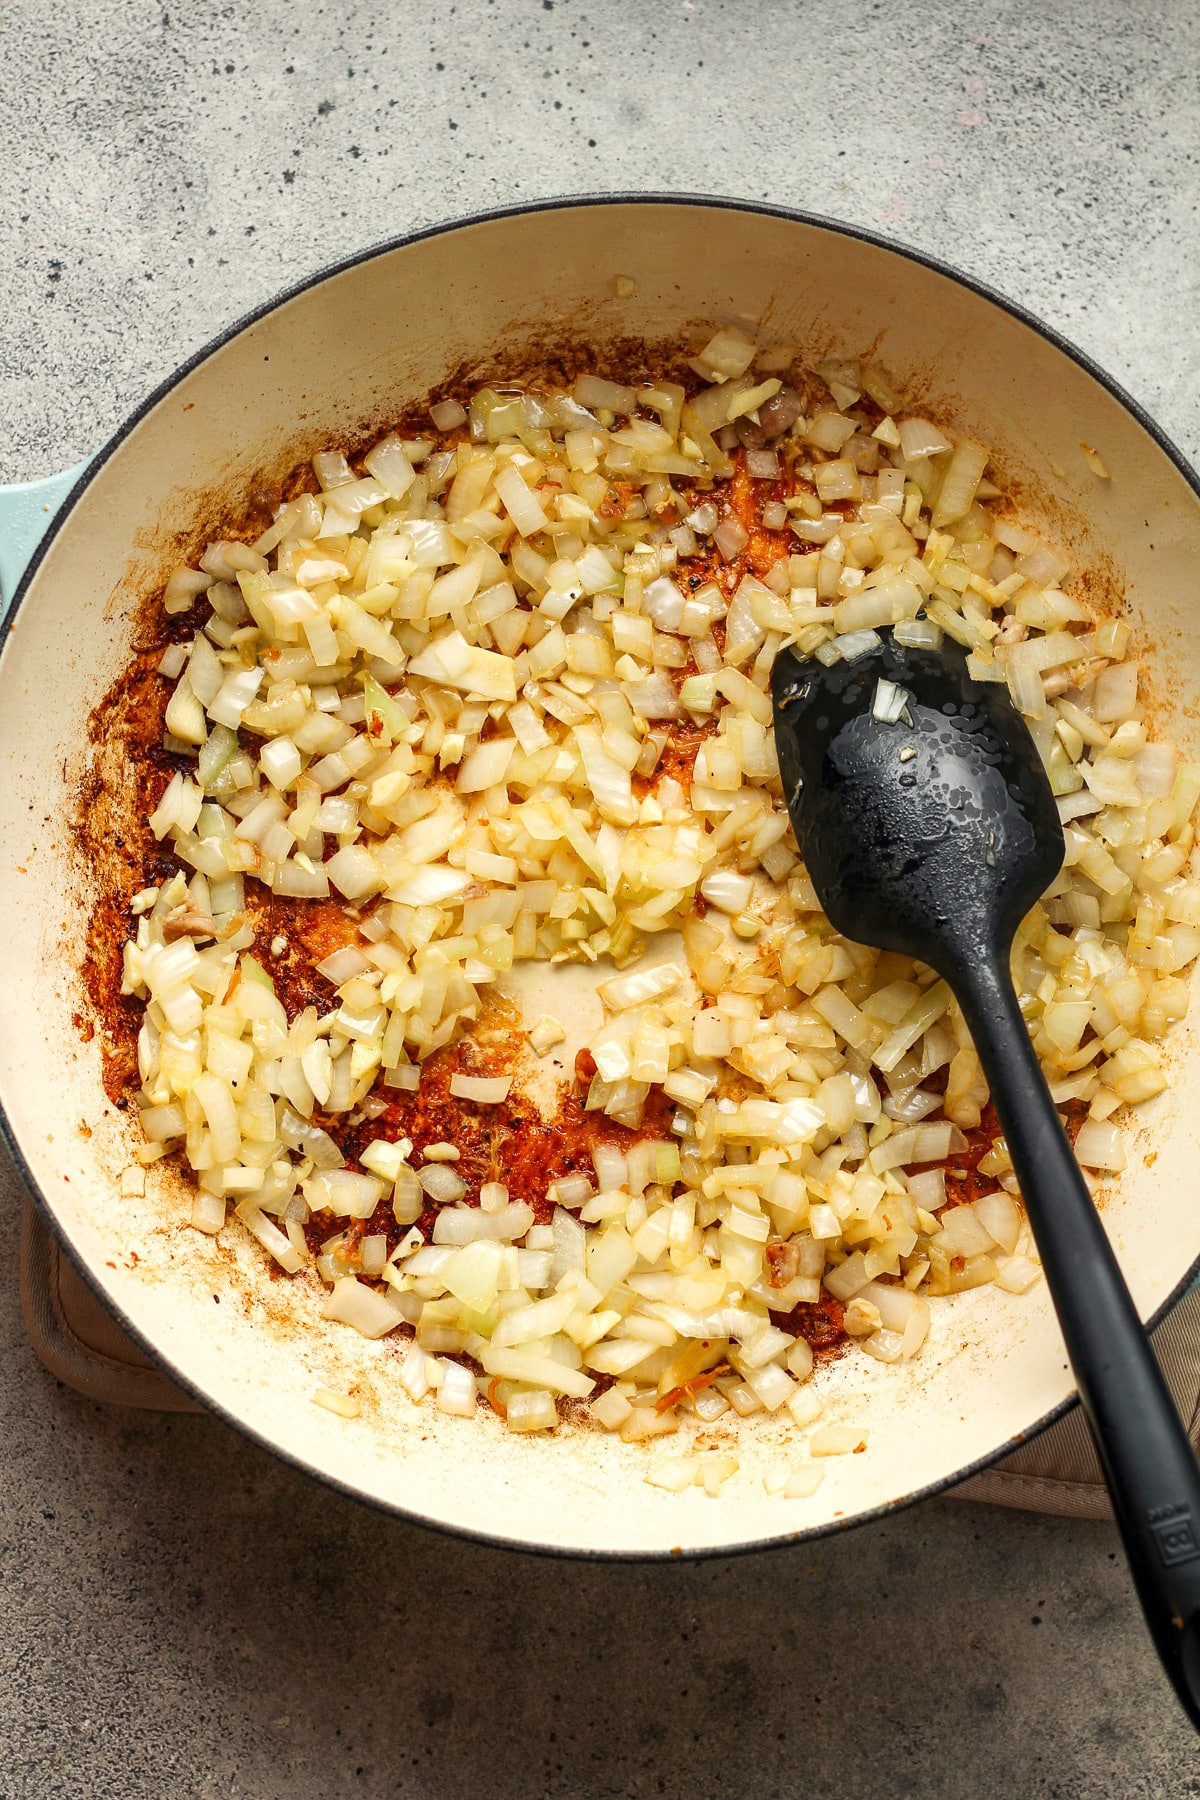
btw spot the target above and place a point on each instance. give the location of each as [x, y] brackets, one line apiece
[932, 832]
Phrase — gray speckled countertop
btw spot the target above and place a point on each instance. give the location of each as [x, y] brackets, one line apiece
[181, 1615]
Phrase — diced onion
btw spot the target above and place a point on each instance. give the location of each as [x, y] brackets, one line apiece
[889, 702]
[854, 644]
[441, 1183]
[531, 1409]
[837, 1440]
[1098, 1146]
[447, 414]
[919, 438]
[482, 702]
[484, 1090]
[370, 1313]
[730, 537]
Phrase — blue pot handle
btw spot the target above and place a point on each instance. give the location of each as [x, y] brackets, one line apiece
[27, 510]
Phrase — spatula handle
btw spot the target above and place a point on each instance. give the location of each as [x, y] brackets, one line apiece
[1148, 1463]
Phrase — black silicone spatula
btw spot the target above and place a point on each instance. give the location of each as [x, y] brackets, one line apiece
[927, 824]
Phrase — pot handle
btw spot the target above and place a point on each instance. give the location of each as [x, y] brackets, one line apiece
[27, 510]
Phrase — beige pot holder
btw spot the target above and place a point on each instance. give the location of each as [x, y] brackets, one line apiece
[81, 1344]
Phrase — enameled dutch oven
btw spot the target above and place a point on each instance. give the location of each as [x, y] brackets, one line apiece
[350, 348]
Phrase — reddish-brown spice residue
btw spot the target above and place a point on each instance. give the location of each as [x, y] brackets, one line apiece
[678, 759]
[512, 1143]
[745, 498]
[964, 1180]
[818, 1322]
[324, 926]
[622, 492]
[964, 1183]
[118, 853]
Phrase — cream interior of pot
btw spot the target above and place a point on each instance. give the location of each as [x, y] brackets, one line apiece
[358, 346]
